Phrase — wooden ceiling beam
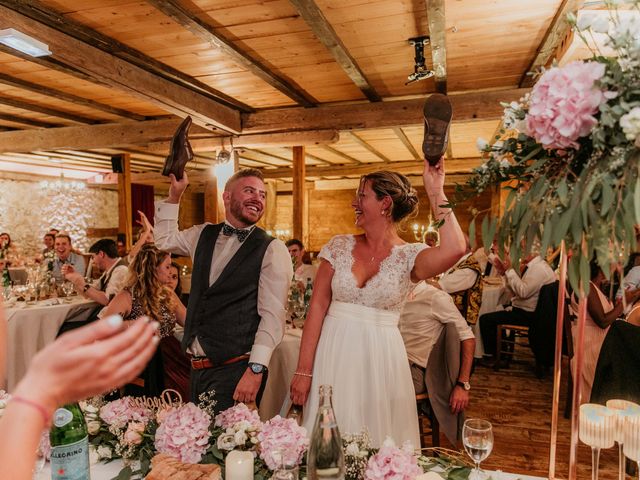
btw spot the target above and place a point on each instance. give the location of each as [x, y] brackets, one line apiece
[26, 121]
[407, 143]
[468, 106]
[203, 30]
[437, 39]
[556, 33]
[341, 154]
[32, 107]
[53, 19]
[368, 147]
[125, 75]
[455, 166]
[268, 154]
[309, 11]
[67, 97]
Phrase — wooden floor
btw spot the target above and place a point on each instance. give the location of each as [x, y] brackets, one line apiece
[519, 407]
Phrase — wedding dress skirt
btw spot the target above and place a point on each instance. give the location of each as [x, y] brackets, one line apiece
[362, 356]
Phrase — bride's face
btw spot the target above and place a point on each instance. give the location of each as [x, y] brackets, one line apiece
[366, 205]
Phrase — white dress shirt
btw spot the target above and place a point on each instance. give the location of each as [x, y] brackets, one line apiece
[631, 281]
[458, 279]
[527, 289]
[423, 318]
[273, 286]
[119, 274]
[305, 271]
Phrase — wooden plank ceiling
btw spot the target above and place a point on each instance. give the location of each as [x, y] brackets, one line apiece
[264, 75]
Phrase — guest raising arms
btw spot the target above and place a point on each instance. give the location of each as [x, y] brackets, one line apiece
[351, 338]
[146, 293]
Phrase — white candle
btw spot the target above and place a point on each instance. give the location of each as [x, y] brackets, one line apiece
[239, 465]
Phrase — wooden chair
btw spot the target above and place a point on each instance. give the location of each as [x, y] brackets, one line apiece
[424, 406]
[507, 339]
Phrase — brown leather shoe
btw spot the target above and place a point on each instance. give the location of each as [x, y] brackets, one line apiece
[180, 152]
[437, 118]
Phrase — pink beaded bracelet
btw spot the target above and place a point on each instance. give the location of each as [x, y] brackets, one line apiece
[31, 403]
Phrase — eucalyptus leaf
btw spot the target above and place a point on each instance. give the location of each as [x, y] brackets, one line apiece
[472, 232]
[607, 198]
[125, 474]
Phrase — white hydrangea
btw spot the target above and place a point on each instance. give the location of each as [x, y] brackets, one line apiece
[630, 124]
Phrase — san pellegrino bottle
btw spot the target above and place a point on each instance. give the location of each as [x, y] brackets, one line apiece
[69, 444]
[325, 459]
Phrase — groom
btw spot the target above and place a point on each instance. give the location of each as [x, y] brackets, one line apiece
[239, 287]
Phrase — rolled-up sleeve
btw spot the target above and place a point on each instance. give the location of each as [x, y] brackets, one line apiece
[273, 288]
[446, 312]
[166, 234]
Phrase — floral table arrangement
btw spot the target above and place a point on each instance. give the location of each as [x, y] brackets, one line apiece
[192, 434]
[569, 154]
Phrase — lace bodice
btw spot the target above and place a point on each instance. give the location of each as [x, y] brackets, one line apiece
[386, 290]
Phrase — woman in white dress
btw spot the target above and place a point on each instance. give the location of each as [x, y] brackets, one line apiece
[351, 338]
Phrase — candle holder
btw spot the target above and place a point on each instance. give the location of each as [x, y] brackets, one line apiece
[597, 429]
[426, 234]
[631, 446]
[622, 409]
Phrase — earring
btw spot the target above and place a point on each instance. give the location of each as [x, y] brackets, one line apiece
[383, 212]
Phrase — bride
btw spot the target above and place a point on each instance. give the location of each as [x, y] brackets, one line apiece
[351, 338]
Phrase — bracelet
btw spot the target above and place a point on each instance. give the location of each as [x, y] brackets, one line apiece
[37, 406]
[302, 374]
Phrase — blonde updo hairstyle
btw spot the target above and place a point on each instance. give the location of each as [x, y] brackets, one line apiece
[404, 199]
[144, 284]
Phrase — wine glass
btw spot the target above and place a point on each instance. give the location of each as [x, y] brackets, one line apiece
[67, 290]
[597, 429]
[286, 469]
[622, 409]
[477, 438]
[631, 445]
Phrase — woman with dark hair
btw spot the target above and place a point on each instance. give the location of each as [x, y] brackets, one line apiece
[146, 293]
[9, 251]
[351, 338]
[601, 313]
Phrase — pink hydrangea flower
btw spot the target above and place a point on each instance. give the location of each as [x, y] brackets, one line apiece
[44, 446]
[133, 435]
[184, 433]
[120, 412]
[393, 463]
[282, 442]
[236, 414]
[563, 104]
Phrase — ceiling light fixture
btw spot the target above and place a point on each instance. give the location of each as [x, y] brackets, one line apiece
[24, 43]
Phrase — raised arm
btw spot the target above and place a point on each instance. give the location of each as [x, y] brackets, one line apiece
[320, 301]
[433, 261]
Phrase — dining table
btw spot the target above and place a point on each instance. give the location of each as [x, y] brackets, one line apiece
[31, 327]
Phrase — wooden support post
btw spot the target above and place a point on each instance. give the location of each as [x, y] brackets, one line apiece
[211, 200]
[125, 213]
[299, 197]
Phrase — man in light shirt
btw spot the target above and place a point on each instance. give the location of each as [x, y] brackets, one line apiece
[66, 256]
[239, 286]
[422, 320]
[302, 271]
[526, 289]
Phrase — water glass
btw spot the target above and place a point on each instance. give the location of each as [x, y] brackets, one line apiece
[622, 409]
[597, 429]
[477, 438]
[284, 471]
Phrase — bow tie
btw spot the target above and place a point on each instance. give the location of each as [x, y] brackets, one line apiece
[228, 230]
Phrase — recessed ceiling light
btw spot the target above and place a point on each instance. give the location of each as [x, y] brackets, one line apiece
[24, 43]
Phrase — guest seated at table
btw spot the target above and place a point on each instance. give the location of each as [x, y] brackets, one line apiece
[302, 271]
[9, 251]
[463, 282]
[631, 274]
[83, 363]
[600, 315]
[49, 243]
[104, 257]
[146, 293]
[423, 322]
[66, 256]
[121, 245]
[535, 273]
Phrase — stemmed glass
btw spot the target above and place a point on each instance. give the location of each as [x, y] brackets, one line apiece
[67, 290]
[622, 409]
[477, 437]
[632, 439]
[597, 429]
[284, 471]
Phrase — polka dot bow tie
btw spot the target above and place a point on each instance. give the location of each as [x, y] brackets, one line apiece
[228, 230]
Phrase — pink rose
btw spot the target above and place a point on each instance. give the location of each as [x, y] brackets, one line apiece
[120, 412]
[237, 414]
[133, 435]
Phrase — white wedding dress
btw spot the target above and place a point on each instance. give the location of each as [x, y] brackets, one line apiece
[361, 353]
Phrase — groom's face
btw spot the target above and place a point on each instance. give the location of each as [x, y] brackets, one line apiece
[244, 202]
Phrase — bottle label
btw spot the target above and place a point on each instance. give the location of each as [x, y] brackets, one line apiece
[62, 417]
[71, 462]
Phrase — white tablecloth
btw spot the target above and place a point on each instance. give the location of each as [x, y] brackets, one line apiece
[32, 327]
[281, 369]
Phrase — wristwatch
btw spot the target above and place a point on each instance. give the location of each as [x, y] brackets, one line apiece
[465, 385]
[86, 287]
[257, 368]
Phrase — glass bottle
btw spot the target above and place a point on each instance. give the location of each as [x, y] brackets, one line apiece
[307, 293]
[69, 444]
[325, 459]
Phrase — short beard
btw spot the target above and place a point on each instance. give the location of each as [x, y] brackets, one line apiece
[236, 211]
